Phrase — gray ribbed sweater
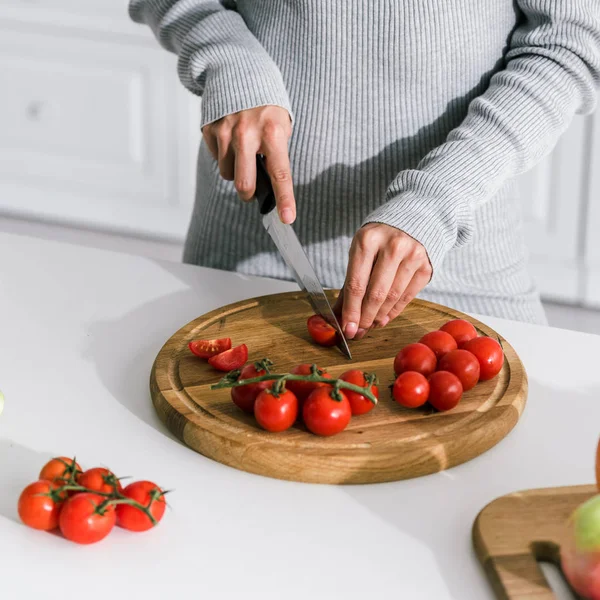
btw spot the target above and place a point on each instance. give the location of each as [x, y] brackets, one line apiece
[414, 113]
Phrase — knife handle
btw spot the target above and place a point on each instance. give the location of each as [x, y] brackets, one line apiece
[264, 193]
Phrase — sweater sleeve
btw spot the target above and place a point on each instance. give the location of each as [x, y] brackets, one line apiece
[551, 73]
[218, 57]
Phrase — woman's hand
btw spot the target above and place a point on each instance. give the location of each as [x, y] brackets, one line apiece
[236, 139]
[386, 270]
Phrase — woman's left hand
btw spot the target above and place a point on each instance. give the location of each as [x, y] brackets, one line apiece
[386, 270]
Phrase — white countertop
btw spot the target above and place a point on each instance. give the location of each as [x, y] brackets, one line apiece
[79, 329]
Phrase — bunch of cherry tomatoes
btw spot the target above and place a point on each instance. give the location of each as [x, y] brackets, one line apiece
[86, 505]
[444, 364]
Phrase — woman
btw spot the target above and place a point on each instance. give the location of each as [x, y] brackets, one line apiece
[392, 130]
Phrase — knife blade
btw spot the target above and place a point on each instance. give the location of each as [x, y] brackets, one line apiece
[293, 254]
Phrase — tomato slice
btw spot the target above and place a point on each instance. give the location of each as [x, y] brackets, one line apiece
[208, 348]
[230, 359]
[321, 331]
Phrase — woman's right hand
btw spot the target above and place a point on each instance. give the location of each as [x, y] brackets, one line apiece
[236, 139]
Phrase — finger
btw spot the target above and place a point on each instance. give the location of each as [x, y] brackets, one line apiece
[225, 155]
[278, 167]
[246, 147]
[360, 264]
[211, 142]
[417, 283]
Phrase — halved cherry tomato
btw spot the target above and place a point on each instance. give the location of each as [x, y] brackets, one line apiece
[323, 415]
[359, 404]
[100, 480]
[464, 365]
[61, 469]
[303, 389]
[445, 390]
[411, 389]
[37, 508]
[440, 342]
[462, 331]
[276, 412]
[147, 494]
[415, 357]
[82, 520]
[489, 354]
[208, 348]
[230, 359]
[245, 396]
[321, 331]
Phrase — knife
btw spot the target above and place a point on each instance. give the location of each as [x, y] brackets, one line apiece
[291, 250]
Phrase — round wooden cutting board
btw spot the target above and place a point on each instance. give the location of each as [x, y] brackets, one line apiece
[387, 444]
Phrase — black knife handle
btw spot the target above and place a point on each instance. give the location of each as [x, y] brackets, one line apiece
[264, 190]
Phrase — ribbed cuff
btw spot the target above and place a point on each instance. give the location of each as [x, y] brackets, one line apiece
[422, 207]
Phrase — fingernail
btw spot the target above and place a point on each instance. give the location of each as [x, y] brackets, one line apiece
[360, 333]
[287, 215]
[384, 321]
[350, 330]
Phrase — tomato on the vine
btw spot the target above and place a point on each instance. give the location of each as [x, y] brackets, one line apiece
[84, 518]
[489, 354]
[245, 396]
[415, 357]
[61, 469]
[276, 412]
[321, 331]
[324, 415]
[147, 494]
[440, 342]
[303, 389]
[100, 480]
[208, 348]
[464, 365]
[359, 404]
[462, 331]
[230, 359]
[445, 390]
[411, 389]
[37, 508]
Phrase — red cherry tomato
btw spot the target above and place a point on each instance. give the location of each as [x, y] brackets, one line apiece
[61, 469]
[303, 389]
[359, 404]
[415, 357]
[445, 390]
[82, 520]
[464, 365]
[462, 331]
[36, 508]
[245, 396]
[321, 331]
[230, 359]
[145, 493]
[208, 348]
[411, 389]
[440, 342]
[276, 412]
[323, 415]
[489, 354]
[100, 480]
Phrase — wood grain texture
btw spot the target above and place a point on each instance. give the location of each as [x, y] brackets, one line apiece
[389, 443]
[513, 533]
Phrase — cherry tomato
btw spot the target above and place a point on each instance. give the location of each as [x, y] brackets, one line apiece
[411, 389]
[303, 389]
[61, 468]
[245, 396]
[83, 521]
[489, 354]
[440, 342]
[208, 348]
[276, 412]
[321, 331]
[38, 510]
[131, 517]
[445, 390]
[464, 365]
[359, 404]
[415, 357]
[462, 331]
[323, 415]
[101, 480]
[230, 359]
